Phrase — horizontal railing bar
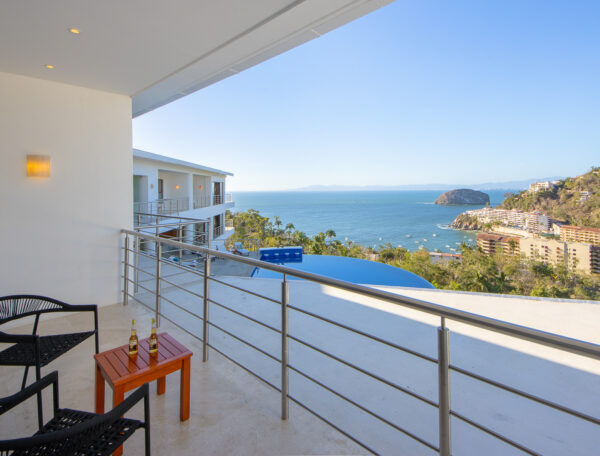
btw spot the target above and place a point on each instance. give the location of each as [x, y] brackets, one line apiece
[141, 286]
[274, 358]
[533, 335]
[176, 265]
[168, 300]
[153, 276]
[191, 220]
[366, 410]
[529, 396]
[169, 263]
[367, 335]
[188, 269]
[366, 372]
[144, 254]
[337, 428]
[494, 434]
[167, 318]
[153, 257]
[245, 291]
[143, 271]
[181, 307]
[272, 328]
[182, 288]
[244, 367]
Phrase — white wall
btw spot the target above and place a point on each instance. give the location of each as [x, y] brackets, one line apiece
[143, 167]
[171, 181]
[59, 236]
[204, 192]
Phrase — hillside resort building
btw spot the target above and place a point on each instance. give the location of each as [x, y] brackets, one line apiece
[575, 256]
[271, 366]
[572, 233]
[534, 222]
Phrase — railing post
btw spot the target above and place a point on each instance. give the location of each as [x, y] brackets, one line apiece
[209, 234]
[284, 349]
[205, 309]
[180, 240]
[444, 388]
[126, 270]
[158, 268]
[137, 262]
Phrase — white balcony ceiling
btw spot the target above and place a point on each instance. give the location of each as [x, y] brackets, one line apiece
[154, 50]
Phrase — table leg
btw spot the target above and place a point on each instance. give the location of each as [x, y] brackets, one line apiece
[184, 391]
[118, 396]
[99, 391]
[160, 385]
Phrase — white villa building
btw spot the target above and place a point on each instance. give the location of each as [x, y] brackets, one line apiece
[312, 366]
[540, 186]
[167, 186]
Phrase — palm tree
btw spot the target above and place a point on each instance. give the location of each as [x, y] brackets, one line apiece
[289, 228]
[329, 234]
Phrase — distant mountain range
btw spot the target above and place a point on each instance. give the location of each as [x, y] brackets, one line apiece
[507, 185]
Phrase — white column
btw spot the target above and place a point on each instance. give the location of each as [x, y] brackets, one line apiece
[190, 190]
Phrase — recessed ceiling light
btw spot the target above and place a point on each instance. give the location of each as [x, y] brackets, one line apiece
[50, 67]
[75, 31]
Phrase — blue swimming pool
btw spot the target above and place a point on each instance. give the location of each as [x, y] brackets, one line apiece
[351, 270]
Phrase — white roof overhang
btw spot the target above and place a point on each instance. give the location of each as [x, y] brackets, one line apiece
[157, 51]
[137, 153]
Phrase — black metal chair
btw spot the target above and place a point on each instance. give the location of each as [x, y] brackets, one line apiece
[31, 349]
[73, 432]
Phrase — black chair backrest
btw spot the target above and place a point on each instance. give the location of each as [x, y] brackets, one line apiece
[17, 306]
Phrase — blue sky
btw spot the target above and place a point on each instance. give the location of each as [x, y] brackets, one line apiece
[418, 92]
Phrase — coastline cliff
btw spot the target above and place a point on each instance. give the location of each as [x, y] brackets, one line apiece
[467, 223]
[463, 196]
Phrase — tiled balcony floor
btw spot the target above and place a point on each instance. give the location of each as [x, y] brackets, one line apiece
[231, 412]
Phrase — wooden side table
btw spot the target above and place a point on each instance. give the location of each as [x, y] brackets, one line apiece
[124, 373]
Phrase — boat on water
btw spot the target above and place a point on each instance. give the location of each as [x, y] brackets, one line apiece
[408, 235]
[447, 246]
[434, 235]
[424, 240]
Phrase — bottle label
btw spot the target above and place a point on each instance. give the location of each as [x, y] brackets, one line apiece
[132, 347]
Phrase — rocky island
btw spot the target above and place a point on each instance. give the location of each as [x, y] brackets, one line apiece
[463, 196]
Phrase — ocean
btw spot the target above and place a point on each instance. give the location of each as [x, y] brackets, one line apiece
[372, 218]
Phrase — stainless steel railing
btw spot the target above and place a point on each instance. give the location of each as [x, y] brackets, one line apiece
[218, 230]
[205, 201]
[167, 206]
[444, 366]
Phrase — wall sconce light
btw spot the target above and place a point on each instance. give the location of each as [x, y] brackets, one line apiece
[38, 166]
[151, 186]
[177, 187]
[199, 187]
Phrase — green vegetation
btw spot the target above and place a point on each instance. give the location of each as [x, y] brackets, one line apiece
[476, 271]
[252, 225]
[564, 201]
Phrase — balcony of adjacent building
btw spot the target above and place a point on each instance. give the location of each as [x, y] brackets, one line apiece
[180, 194]
[184, 206]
